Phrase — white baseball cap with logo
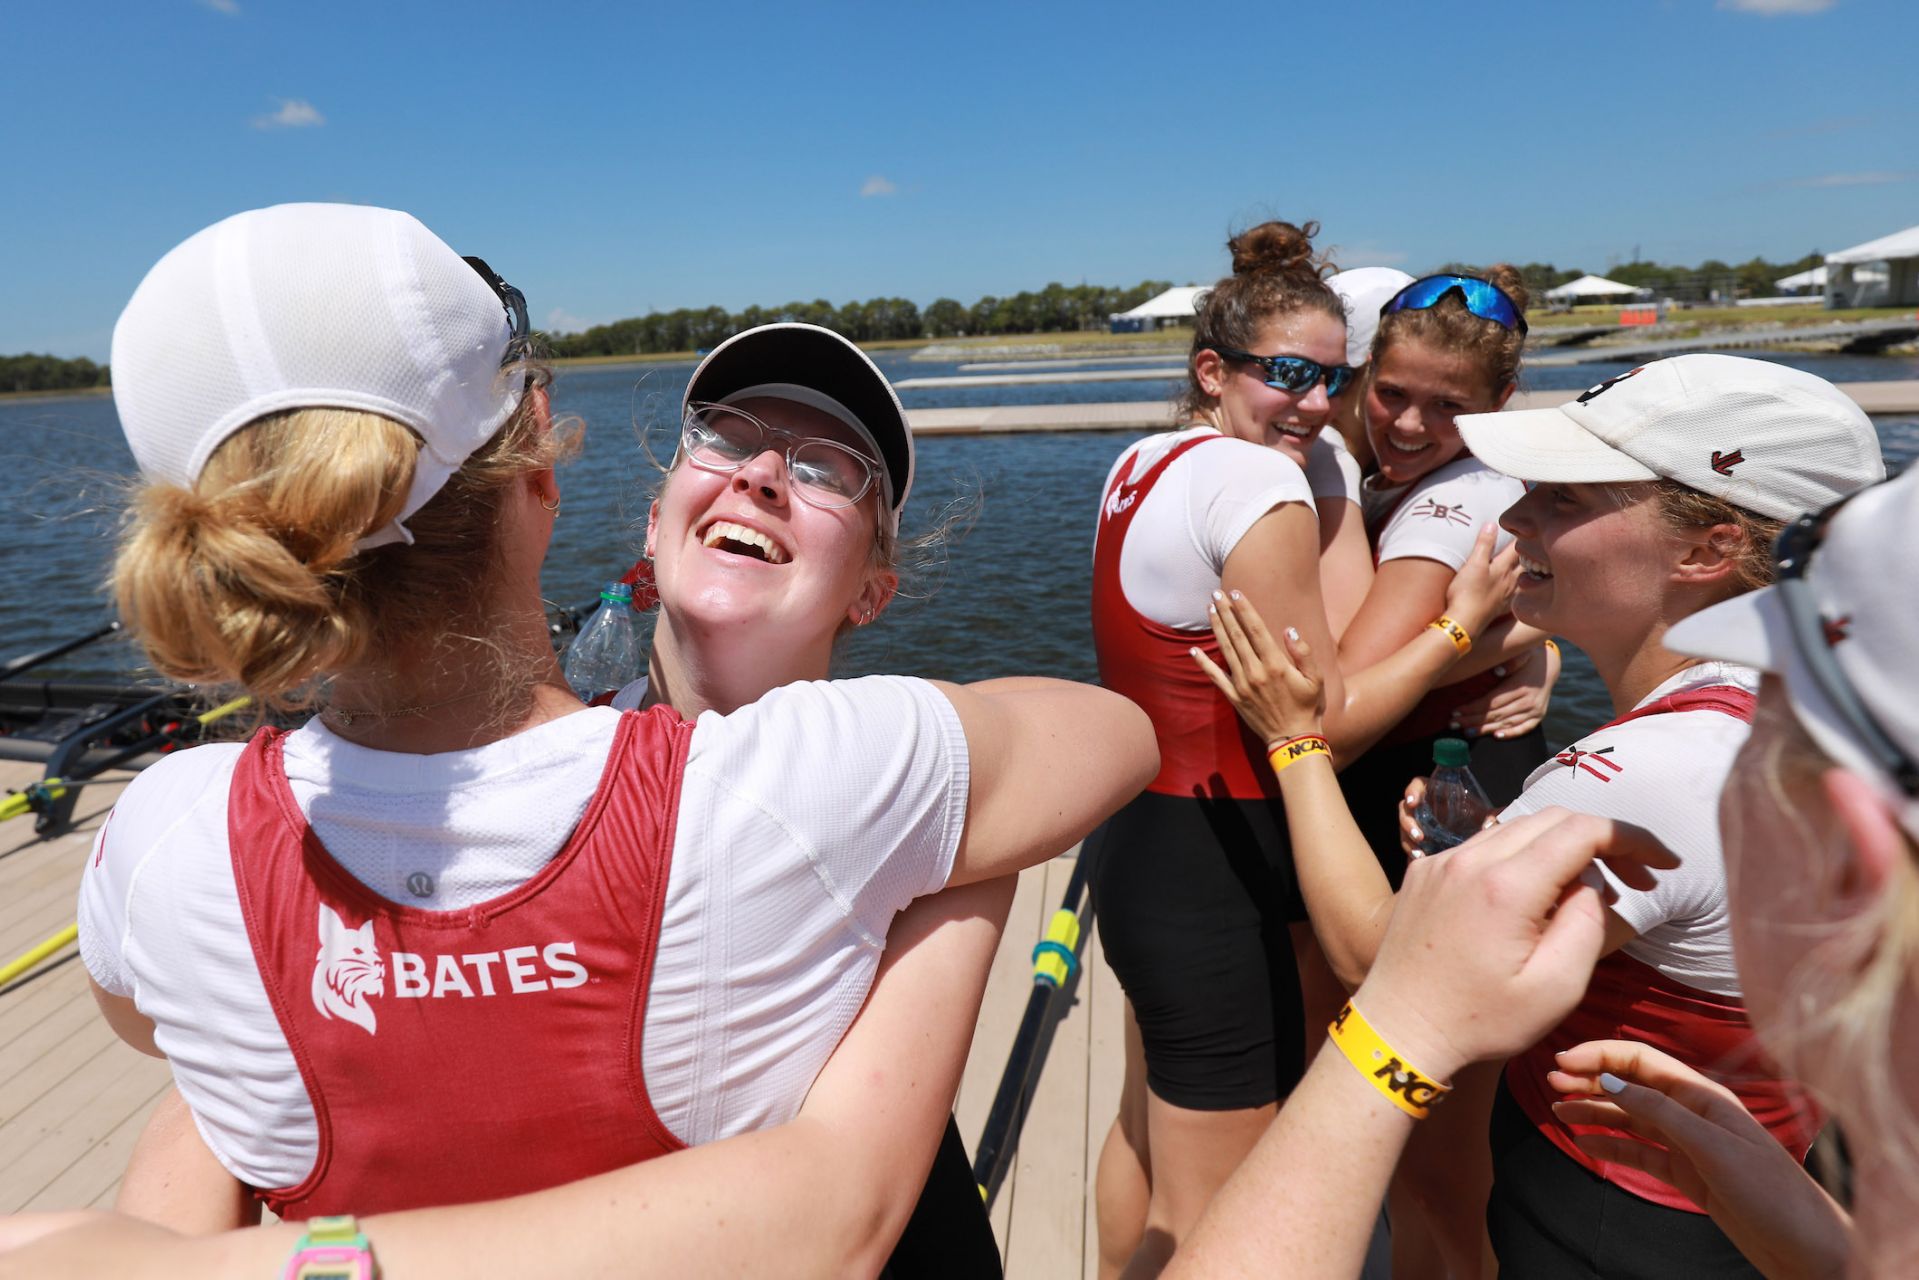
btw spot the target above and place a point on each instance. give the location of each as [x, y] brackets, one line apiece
[1365, 290]
[1765, 438]
[313, 305]
[1839, 635]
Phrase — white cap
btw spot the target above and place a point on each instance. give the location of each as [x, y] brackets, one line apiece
[1867, 621]
[823, 369]
[1771, 440]
[1365, 290]
[308, 305]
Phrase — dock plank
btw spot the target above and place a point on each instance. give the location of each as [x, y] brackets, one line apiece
[1105, 1077]
[1046, 1235]
[72, 1097]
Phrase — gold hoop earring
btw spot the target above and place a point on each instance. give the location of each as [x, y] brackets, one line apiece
[552, 506]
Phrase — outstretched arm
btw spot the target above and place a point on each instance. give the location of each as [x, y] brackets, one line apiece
[1383, 683]
[823, 1195]
[1492, 944]
[1277, 691]
[1700, 1140]
[1050, 760]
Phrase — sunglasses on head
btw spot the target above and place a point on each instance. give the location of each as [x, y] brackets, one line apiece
[510, 298]
[1295, 374]
[1482, 297]
[1792, 553]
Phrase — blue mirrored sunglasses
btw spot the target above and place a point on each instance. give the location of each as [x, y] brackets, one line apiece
[1295, 374]
[1482, 297]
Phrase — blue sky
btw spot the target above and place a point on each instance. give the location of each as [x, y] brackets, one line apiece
[616, 158]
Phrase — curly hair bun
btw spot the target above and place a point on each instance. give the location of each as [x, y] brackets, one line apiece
[1506, 276]
[1276, 248]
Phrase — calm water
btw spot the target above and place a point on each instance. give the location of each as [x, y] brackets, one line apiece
[1010, 597]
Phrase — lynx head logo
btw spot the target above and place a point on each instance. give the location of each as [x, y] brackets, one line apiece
[348, 970]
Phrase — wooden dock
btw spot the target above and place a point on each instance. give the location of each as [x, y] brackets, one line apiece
[73, 1098]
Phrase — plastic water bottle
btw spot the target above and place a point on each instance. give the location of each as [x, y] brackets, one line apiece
[1455, 805]
[605, 657]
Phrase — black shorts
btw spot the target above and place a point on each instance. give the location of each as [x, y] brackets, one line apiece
[1551, 1218]
[1193, 899]
[1376, 781]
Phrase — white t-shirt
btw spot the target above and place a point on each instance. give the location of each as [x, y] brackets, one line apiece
[806, 821]
[1438, 516]
[1331, 469]
[1202, 505]
[1664, 773]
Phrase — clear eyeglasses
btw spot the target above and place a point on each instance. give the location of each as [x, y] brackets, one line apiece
[823, 473]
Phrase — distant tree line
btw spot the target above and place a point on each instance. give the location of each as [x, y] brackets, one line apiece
[1711, 278]
[49, 373]
[1055, 309]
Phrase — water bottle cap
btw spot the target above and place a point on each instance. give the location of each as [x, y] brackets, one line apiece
[1451, 753]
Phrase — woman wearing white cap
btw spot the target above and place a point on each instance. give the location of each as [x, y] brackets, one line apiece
[345, 487]
[1653, 496]
[1821, 818]
[1820, 813]
[1364, 290]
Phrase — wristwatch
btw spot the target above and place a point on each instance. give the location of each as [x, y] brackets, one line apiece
[332, 1249]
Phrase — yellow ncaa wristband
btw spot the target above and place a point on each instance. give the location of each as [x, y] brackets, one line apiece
[1408, 1089]
[1284, 755]
[1461, 638]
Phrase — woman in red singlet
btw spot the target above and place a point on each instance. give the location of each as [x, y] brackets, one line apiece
[1192, 882]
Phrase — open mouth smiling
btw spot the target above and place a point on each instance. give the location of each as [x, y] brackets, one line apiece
[741, 540]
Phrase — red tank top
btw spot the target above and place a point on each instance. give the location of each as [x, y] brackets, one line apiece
[1631, 1000]
[1204, 750]
[455, 1056]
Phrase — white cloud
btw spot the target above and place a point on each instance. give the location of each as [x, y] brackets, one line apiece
[560, 320]
[294, 113]
[877, 186]
[1869, 178]
[1772, 8]
[229, 7]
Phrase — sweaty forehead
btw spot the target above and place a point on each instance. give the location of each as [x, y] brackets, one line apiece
[803, 420]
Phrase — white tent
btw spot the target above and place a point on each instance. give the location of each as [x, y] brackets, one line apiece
[1178, 303]
[1900, 244]
[1813, 279]
[1878, 273]
[1591, 287]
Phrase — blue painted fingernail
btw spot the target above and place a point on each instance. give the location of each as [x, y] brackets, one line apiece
[1611, 1083]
